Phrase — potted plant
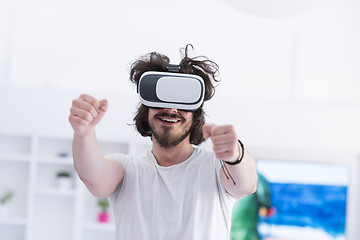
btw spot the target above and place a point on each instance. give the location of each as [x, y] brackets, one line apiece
[4, 199]
[64, 180]
[103, 216]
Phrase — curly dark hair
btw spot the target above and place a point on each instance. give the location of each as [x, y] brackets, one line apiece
[201, 66]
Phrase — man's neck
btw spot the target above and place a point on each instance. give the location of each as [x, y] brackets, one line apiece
[170, 156]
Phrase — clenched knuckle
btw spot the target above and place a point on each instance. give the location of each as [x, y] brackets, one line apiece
[88, 108]
[93, 101]
[72, 109]
[88, 115]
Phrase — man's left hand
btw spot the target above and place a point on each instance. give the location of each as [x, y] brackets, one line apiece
[225, 141]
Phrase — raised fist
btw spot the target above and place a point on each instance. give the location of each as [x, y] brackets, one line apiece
[225, 141]
[85, 112]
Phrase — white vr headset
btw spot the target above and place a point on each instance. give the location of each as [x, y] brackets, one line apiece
[171, 90]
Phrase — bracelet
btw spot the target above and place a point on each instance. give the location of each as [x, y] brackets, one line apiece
[240, 158]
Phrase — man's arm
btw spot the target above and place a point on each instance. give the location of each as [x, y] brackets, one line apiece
[100, 175]
[240, 179]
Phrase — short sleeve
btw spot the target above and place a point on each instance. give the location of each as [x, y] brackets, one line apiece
[121, 158]
[124, 161]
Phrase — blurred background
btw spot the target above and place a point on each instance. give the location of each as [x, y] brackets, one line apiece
[290, 85]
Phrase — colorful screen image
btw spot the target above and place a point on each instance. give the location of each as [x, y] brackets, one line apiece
[295, 201]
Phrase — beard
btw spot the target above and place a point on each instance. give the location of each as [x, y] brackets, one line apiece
[164, 134]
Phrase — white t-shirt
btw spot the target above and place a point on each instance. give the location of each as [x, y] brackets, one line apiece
[183, 201]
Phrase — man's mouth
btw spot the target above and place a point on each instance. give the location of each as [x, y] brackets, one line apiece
[169, 120]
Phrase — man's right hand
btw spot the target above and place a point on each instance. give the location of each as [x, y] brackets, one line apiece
[86, 111]
[101, 175]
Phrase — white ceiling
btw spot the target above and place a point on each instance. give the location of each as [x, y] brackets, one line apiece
[306, 51]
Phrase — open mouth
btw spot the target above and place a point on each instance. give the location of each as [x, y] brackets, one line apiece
[169, 120]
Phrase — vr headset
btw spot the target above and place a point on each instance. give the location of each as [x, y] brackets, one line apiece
[171, 90]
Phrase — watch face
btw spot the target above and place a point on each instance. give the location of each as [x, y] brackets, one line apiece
[171, 90]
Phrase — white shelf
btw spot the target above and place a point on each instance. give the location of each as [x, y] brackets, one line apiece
[56, 192]
[29, 165]
[15, 157]
[55, 160]
[100, 226]
[14, 221]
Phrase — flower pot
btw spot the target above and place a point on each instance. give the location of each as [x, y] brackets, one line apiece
[64, 183]
[4, 211]
[103, 217]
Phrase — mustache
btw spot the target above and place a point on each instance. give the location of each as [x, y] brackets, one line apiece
[166, 114]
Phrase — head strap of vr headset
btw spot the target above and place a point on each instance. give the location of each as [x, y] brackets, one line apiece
[174, 68]
[171, 68]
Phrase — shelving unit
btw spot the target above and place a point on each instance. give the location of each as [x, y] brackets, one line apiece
[40, 210]
[15, 161]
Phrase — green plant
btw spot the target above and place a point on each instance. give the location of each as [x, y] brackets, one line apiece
[103, 203]
[6, 197]
[63, 174]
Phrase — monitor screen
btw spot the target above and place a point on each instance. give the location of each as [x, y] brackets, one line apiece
[308, 200]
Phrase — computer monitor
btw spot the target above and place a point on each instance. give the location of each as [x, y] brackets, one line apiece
[315, 194]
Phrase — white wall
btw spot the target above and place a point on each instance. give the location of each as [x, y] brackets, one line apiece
[292, 80]
[288, 81]
[268, 123]
[74, 44]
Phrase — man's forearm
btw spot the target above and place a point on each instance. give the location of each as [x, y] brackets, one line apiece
[240, 179]
[88, 158]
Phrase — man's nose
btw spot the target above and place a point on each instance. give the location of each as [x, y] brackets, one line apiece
[171, 110]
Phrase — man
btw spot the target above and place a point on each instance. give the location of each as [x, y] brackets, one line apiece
[176, 191]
